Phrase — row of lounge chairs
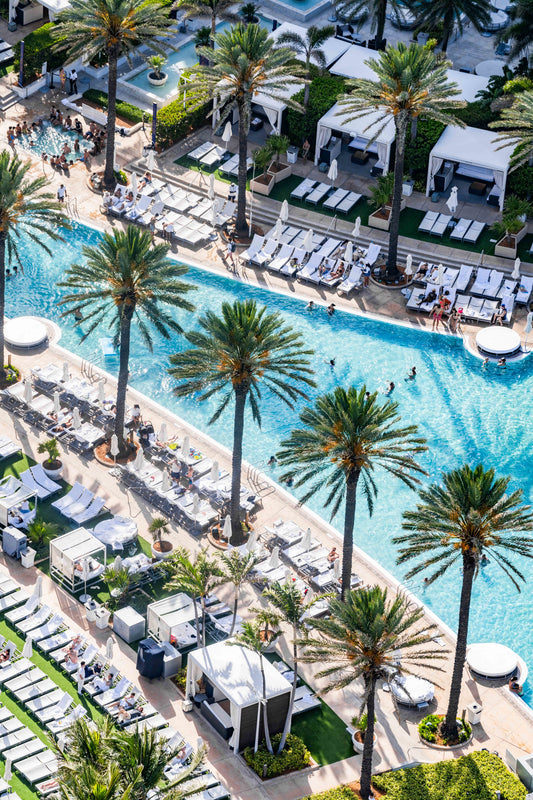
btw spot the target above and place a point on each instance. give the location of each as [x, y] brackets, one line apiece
[209, 155]
[339, 200]
[79, 504]
[466, 230]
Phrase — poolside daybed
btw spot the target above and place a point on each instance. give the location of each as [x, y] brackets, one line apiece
[77, 558]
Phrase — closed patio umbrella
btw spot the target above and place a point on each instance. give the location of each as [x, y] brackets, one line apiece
[133, 182]
[333, 171]
[57, 404]
[117, 564]
[356, 228]
[252, 541]
[273, 561]
[211, 189]
[226, 530]
[27, 650]
[8, 771]
[337, 568]
[150, 161]
[76, 419]
[84, 576]
[28, 391]
[227, 133]
[165, 482]
[185, 447]
[214, 471]
[306, 540]
[114, 449]
[516, 270]
[138, 464]
[38, 588]
[307, 244]
[409, 265]
[452, 201]
[163, 435]
[101, 392]
[284, 211]
[277, 230]
[348, 253]
[109, 648]
[66, 372]
[440, 274]
[195, 504]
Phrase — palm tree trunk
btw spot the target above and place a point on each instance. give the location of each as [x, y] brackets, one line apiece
[235, 604]
[109, 174]
[196, 620]
[380, 21]
[288, 718]
[236, 466]
[347, 543]
[265, 709]
[394, 230]
[202, 600]
[306, 90]
[213, 29]
[240, 223]
[368, 747]
[2, 304]
[123, 374]
[448, 30]
[450, 722]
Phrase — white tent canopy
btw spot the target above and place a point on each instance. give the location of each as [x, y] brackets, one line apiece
[164, 616]
[332, 47]
[235, 675]
[76, 558]
[476, 155]
[361, 130]
[12, 494]
[274, 107]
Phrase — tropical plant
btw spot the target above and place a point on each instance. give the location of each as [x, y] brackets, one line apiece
[117, 578]
[360, 12]
[249, 13]
[87, 28]
[344, 437]
[250, 638]
[361, 639]
[212, 10]
[467, 516]
[410, 81]
[51, 448]
[158, 527]
[451, 15]
[238, 354]
[40, 531]
[382, 192]
[157, 63]
[266, 622]
[238, 569]
[309, 46]
[121, 280]
[292, 606]
[515, 210]
[262, 157]
[516, 126]
[202, 37]
[197, 575]
[245, 61]
[277, 145]
[26, 209]
[519, 33]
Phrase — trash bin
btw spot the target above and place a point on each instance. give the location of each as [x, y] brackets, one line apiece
[292, 154]
[474, 713]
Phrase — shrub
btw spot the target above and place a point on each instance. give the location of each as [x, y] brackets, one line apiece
[520, 182]
[428, 727]
[477, 114]
[428, 132]
[124, 110]
[478, 775]
[38, 48]
[323, 94]
[294, 756]
[177, 120]
[339, 793]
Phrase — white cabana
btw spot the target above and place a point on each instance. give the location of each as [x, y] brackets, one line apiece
[332, 48]
[231, 676]
[274, 108]
[475, 154]
[360, 130]
[14, 503]
[165, 617]
[77, 558]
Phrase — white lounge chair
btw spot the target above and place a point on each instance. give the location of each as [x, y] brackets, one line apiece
[310, 270]
[93, 509]
[429, 220]
[440, 226]
[72, 496]
[351, 281]
[525, 287]
[334, 199]
[303, 188]
[481, 282]
[284, 255]
[57, 711]
[16, 614]
[268, 250]
[460, 229]
[201, 151]
[474, 232]
[78, 505]
[318, 193]
[215, 155]
[57, 726]
[140, 208]
[289, 268]
[43, 480]
[34, 620]
[495, 281]
[507, 287]
[463, 279]
[348, 202]
[28, 480]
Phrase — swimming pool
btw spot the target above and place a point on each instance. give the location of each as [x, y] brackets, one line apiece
[50, 140]
[465, 413]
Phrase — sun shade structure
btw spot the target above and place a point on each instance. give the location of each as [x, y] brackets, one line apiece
[274, 108]
[77, 558]
[12, 493]
[165, 616]
[475, 155]
[332, 48]
[231, 677]
[361, 131]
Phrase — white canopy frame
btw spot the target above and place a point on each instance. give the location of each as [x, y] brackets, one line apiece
[77, 558]
[363, 129]
[18, 493]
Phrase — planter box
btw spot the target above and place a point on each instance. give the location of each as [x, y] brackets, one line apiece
[31, 88]
[263, 188]
[281, 174]
[377, 221]
[509, 252]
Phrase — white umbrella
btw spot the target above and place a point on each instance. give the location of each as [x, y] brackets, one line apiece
[66, 372]
[333, 171]
[356, 228]
[27, 650]
[38, 588]
[185, 447]
[133, 181]
[306, 540]
[28, 391]
[57, 404]
[76, 419]
[337, 568]
[214, 471]
[165, 483]
[226, 530]
[348, 253]
[8, 772]
[163, 435]
[307, 244]
[195, 504]
[440, 274]
[527, 329]
[109, 648]
[117, 564]
[516, 270]
[101, 392]
[150, 161]
[273, 561]
[284, 211]
[114, 449]
[211, 189]
[227, 132]
[84, 576]
[452, 201]
[252, 541]
[277, 230]
[409, 264]
[138, 464]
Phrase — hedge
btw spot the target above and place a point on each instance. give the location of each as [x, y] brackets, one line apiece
[477, 114]
[323, 94]
[428, 132]
[124, 110]
[294, 756]
[478, 775]
[339, 793]
[39, 46]
[520, 182]
[177, 120]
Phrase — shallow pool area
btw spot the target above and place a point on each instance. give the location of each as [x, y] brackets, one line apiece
[50, 140]
[467, 414]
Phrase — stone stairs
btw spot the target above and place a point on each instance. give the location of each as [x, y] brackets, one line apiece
[8, 98]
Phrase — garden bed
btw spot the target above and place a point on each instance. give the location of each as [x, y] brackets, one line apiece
[429, 730]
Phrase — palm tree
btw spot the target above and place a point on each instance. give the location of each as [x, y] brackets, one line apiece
[360, 640]
[451, 14]
[343, 438]
[245, 61]
[291, 604]
[198, 576]
[25, 210]
[116, 28]
[410, 81]
[213, 10]
[467, 516]
[123, 279]
[361, 11]
[237, 569]
[310, 47]
[519, 33]
[250, 638]
[239, 353]
[516, 126]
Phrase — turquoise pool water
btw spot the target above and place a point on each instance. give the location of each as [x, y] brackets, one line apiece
[51, 139]
[466, 414]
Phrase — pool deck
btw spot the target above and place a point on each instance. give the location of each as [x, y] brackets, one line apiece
[506, 723]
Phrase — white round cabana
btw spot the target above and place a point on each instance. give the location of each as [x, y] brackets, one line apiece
[491, 660]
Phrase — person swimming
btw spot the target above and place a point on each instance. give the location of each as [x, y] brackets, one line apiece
[392, 387]
[412, 375]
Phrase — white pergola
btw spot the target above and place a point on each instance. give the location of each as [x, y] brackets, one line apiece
[77, 558]
[274, 107]
[476, 154]
[164, 616]
[362, 130]
[18, 493]
[332, 48]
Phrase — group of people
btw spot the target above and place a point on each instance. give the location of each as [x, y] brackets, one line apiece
[72, 77]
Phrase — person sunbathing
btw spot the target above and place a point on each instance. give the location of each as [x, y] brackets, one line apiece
[323, 267]
[102, 684]
[5, 655]
[499, 316]
[333, 555]
[123, 705]
[339, 271]
[429, 298]
[145, 180]
[445, 301]
[422, 271]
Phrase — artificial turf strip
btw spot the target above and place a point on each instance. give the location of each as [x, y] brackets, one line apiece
[324, 734]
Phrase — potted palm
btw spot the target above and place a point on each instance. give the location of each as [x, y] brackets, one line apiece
[53, 466]
[156, 76]
[161, 548]
[358, 731]
[40, 532]
[265, 181]
[382, 202]
[266, 623]
[118, 580]
[277, 145]
[512, 227]
[202, 38]
[249, 13]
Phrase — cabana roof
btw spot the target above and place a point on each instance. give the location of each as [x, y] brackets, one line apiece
[332, 47]
[164, 615]
[361, 129]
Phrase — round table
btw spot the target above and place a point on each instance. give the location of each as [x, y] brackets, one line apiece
[491, 660]
[490, 67]
[25, 332]
[498, 341]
